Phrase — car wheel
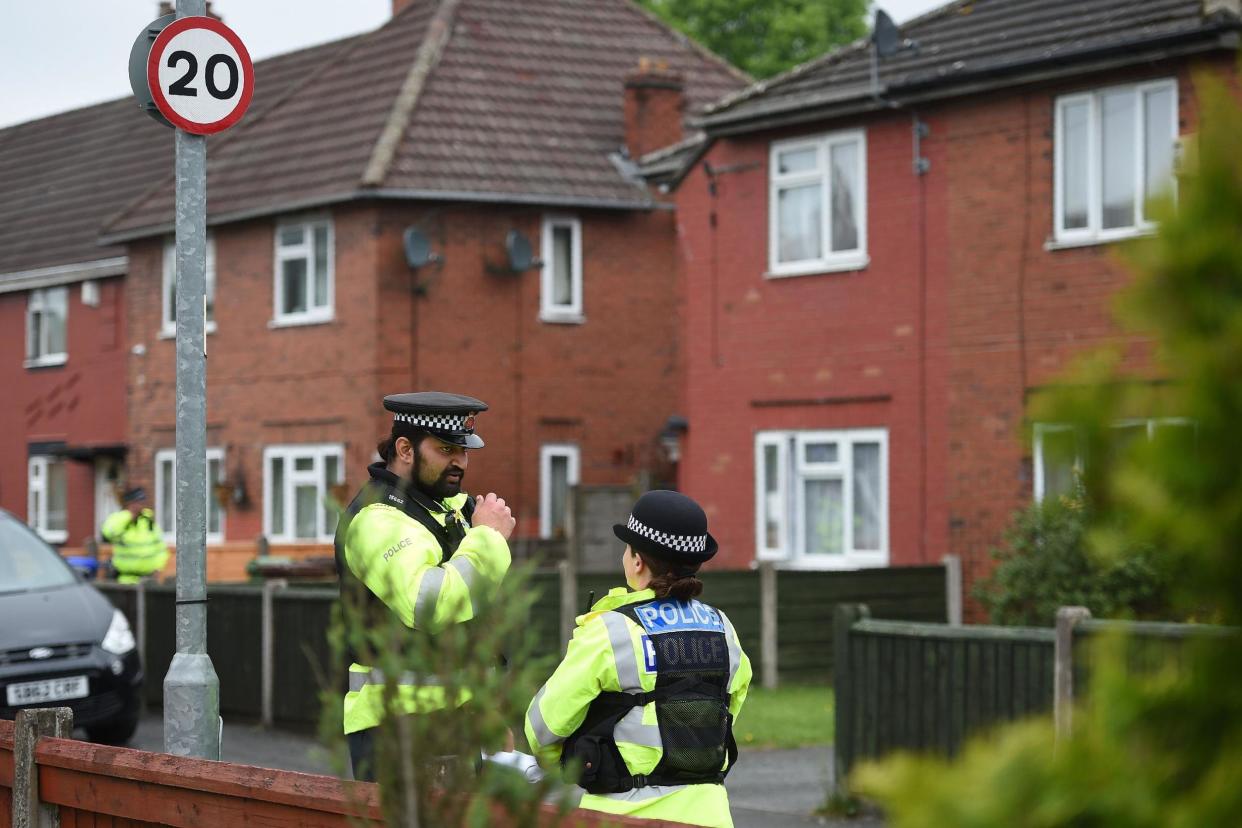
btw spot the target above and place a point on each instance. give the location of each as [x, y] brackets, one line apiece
[117, 732]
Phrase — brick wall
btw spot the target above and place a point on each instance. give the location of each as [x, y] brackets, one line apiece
[608, 384]
[961, 306]
[80, 403]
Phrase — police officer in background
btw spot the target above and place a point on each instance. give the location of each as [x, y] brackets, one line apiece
[643, 703]
[138, 547]
[414, 545]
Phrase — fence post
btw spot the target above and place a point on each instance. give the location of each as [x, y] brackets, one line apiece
[953, 589]
[1063, 668]
[31, 725]
[843, 751]
[267, 648]
[140, 619]
[767, 625]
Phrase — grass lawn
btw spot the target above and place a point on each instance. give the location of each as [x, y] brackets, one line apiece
[796, 715]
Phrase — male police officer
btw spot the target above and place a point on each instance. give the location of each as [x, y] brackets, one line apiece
[138, 547]
[413, 545]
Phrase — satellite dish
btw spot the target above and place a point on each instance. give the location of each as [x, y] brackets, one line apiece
[418, 248]
[886, 38]
[521, 254]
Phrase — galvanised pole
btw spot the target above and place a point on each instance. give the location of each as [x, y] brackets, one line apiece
[191, 688]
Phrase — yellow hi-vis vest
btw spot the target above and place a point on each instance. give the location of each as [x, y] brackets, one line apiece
[401, 562]
[138, 546]
[608, 654]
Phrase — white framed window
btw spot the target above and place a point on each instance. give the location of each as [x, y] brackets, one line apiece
[166, 494]
[47, 315]
[168, 317]
[817, 204]
[560, 285]
[821, 498]
[1114, 150]
[1057, 449]
[296, 480]
[46, 497]
[304, 272]
[558, 472]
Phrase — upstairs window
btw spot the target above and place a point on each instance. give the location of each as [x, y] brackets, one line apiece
[1115, 150]
[1058, 453]
[169, 323]
[561, 280]
[818, 204]
[304, 288]
[47, 314]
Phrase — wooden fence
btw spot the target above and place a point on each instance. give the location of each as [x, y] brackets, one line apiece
[46, 780]
[930, 687]
[293, 629]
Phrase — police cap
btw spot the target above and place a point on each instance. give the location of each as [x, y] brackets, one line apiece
[669, 526]
[448, 417]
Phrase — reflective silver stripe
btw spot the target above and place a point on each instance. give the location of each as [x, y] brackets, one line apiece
[543, 734]
[735, 649]
[623, 652]
[643, 794]
[465, 568]
[631, 729]
[376, 676]
[428, 595]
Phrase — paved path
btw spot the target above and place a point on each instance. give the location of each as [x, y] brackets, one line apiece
[769, 788]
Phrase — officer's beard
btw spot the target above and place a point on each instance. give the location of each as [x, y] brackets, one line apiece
[444, 486]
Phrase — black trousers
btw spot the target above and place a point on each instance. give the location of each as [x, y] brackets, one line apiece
[362, 754]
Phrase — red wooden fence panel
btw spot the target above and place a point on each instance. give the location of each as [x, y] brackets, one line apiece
[6, 774]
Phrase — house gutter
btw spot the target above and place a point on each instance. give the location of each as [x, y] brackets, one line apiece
[44, 277]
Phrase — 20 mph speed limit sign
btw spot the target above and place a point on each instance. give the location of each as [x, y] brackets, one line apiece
[200, 75]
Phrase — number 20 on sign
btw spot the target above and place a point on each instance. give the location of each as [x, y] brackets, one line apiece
[200, 75]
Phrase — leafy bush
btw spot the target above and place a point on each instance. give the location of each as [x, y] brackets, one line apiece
[1046, 563]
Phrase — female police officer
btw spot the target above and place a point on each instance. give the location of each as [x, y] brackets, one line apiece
[643, 704]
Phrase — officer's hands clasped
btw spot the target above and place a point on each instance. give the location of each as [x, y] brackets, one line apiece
[492, 511]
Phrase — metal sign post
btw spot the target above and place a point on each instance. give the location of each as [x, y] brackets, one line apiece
[200, 79]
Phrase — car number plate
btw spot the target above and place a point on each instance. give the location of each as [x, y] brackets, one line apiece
[33, 692]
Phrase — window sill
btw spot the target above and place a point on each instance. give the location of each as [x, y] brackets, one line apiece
[1096, 241]
[171, 333]
[46, 361]
[561, 318]
[300, 321]
[854, 263]
[836, 563]
[57, 536]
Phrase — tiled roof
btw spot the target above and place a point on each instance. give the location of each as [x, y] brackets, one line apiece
[469, 99]
[966, 40]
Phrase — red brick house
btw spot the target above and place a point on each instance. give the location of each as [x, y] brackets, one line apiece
[880, 269]
[466, 121]
[63, 335]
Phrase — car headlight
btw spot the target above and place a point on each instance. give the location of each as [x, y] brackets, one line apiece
[118, 639]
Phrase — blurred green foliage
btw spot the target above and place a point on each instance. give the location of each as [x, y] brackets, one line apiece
[761, 37]
[1165, 749]
[1045, 563]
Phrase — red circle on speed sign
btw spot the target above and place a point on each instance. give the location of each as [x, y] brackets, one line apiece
[200, 75]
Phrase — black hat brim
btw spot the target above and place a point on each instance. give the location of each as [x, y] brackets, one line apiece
[653, 549]
[470, 441]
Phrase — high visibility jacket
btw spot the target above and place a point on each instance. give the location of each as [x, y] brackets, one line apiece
[428, 580]
[138, 546]
[608, 653]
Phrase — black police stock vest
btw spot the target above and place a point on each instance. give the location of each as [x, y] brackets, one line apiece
[684, 643]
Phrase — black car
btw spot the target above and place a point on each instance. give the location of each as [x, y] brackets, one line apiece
[62, 644]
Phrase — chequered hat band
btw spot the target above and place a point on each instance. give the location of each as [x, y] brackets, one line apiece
[440, 422]
[680, 543]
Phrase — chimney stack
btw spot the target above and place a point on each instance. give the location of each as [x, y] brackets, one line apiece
[654, 101]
